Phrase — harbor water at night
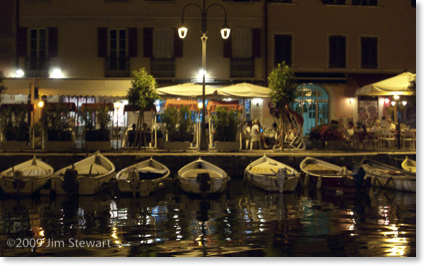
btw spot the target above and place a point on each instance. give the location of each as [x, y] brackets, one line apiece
[241, 222]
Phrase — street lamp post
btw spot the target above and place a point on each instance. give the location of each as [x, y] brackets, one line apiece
[225, 33]
[117, 105]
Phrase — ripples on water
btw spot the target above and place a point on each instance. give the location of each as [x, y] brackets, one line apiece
[241, 222]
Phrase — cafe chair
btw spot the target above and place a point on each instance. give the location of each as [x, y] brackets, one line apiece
[254, 140]
[408, 139]
[387, 139]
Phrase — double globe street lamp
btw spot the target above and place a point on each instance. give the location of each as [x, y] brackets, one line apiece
[225, 34]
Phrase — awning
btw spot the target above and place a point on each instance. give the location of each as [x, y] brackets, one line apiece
[185, 90]
[52, 106]
[192, 104]
[84, 87]
[397, 85]
[244, 90]
[16, 86]
[213, 104]
[96, 106]
[131, 108]
[29, 107]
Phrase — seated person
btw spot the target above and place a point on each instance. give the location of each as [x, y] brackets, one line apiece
[390, 125]
[291, 133]
[376, 127]
[350, 130]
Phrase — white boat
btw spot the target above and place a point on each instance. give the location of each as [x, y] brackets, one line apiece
[26, 178]
[270, 175]
[409, 165]
[86, 177]
[389, 177]
[324, 175]
[143, 178]
[202, 177]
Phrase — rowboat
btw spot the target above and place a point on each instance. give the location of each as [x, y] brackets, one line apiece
[26, 178]
[86, 177]
[270, 175]
[201, 177]
[143, 178]
[324, 175]
[409, 165]
[389, 177]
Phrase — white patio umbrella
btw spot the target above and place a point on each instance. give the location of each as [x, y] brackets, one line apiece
[397, 85]
[244, 90]
[185, 90]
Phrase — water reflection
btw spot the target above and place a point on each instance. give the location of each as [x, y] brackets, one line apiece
[242, 222]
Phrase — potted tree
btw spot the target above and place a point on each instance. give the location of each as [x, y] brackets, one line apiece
[54, 123]
[177, 127]
[142, 94]
[282, 85]
[97, 139]
[227, 125]
[14, 127]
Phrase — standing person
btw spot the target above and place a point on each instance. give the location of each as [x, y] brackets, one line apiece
[255, 131]
[246, 132]
[383, 123]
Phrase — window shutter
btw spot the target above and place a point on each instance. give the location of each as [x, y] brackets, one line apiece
[102, 42]
[178, 45]
[278, 51]
[333, 51]
[256, 43]
[22, 42]
[148, 42]
[227, 48]
[342, 52]
[132, 42]
[53, 42]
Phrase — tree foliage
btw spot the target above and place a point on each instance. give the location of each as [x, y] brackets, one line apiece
[282, 85]
[143, 91]
[226, 123]
[2, 85]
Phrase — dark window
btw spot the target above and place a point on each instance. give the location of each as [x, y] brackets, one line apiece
[282, 49]
[364, 2]
[337, 46]
[281, 1]
[334, 2]
[369, 52]
[414, 3]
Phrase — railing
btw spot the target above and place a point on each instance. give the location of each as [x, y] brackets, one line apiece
[242, 68]
[37, 67]
[162, 67]
[117, 67]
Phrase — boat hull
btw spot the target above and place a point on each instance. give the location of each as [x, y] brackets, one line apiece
[262, 174]
[189, 183]
[270, 183]
[323, 175]
[91, 177]
[143, 187]
[35, 175]
[27, 186]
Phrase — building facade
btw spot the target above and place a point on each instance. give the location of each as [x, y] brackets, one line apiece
[334, 46]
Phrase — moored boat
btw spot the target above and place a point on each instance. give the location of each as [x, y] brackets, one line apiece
[389, 177]
[86, 177]
[202, 177]
[270, 175]
[143, 178]
[324, 175]
[409, 165]
[26, 178]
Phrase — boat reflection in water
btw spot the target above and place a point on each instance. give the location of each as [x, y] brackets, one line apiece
[244, 221]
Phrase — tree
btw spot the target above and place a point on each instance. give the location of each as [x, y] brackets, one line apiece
[2, 85]
[282, 86]
[143, 95]
[413, 86]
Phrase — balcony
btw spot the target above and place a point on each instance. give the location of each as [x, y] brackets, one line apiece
[161, 67]
[242, 68]
[117, 67]
[37, 67]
